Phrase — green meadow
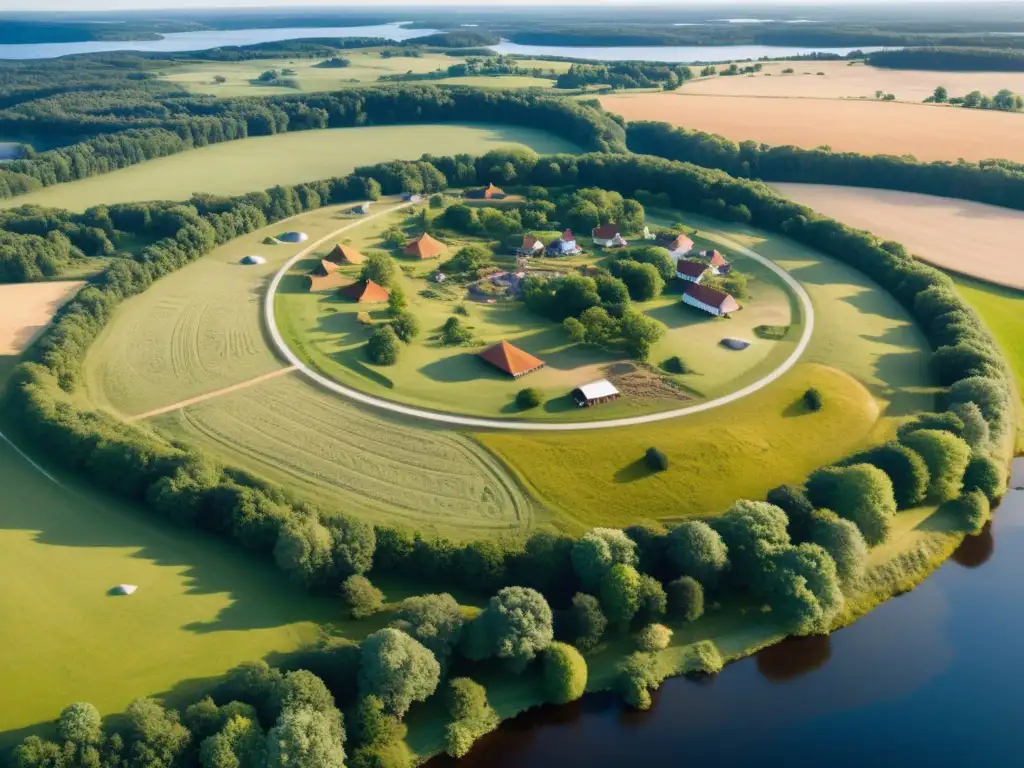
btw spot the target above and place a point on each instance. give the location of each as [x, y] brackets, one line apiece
[237, 167]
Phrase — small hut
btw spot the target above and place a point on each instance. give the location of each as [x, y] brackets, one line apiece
[595, 393]
[345, 254]
[490, 192]
[511, 360]
[365, 292]
[324, 276]
[424, 247]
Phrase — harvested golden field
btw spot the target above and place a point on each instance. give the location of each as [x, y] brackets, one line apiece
[841, 81]
[970, 238]
[26, 310]
[927, 132]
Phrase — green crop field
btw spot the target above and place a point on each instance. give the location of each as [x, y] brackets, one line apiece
[870, 364]
[237, 167]
[1002, 309]
[367, 67]
[202, 606]
[324, 328]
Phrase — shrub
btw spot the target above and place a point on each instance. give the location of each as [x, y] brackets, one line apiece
[587, 621]
[905, 467]
[992, 397]
[651, 543]
[304, 737]
[843, 542]
[620, 594]
[704, 658]
[643, 280]
[397, 669]
[972, 509]
[793, 501]
[406, 326]
[987, 475]
[695, 549]
[802, 587]
[565, 673]
[654, 637]
[528, 398]
[472, 716]
[976, 432]
[372, 725]
[598, 550]
[947, 421]
[947, 457]
[685, 598]
[656, 460]
[383, 346]
[675, 364]
[362, 598]
[652, 600]
[861, 493]
[454, 333]
[813, 400]
[636, 677]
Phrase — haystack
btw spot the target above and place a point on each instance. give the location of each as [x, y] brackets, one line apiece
[345, 254]
[365, 292]
[425, 247]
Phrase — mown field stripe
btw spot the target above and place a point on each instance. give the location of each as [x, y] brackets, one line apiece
[511, 424]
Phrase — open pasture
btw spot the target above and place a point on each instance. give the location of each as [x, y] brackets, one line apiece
[866, 357]
[237, 167]
[842, 81]
[201, 607]
[27, 308]
[928, 132]
[325, 329]
[970, 238]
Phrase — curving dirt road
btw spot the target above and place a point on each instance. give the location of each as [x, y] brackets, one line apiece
[512, 424]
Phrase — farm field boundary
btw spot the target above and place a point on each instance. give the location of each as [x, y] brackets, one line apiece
[331, 385]
[210, 395]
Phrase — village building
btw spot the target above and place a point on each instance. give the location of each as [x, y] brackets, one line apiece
[345, 254]
[595, 393]
[323, 276]
[565, 245]
[511, 360]
[690, 271]
[608, 236]
[424, 247]
[365, 292]
[678, 246]
[412, 197]
[710, 300]
[719, 266]
[490, 192]
[531, 246]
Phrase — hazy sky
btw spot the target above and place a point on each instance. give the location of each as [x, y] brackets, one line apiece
[88, 5]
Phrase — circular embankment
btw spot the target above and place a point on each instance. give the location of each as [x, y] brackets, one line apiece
[473, 422]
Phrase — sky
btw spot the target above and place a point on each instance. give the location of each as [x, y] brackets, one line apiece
[89, 5]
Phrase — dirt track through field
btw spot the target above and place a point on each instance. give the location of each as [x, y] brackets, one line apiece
[211, 395]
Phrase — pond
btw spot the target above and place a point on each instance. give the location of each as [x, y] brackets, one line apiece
[932, 677]
[201, 41]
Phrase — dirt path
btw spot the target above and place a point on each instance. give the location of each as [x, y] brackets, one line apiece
[210, 395]
[510, 424]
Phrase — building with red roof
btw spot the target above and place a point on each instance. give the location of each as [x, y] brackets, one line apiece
[511, 359]
[710, 300]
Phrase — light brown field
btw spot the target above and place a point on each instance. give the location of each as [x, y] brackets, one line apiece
[927, 132]
[26, 309]
[841, 81]
[974, 239]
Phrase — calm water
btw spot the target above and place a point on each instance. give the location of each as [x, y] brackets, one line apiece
[931, 678]
[201, 41]
[678, 53]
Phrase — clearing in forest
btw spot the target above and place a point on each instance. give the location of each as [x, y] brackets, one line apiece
[928, 132]
[27, 308]
[970, 238]
[238, 167]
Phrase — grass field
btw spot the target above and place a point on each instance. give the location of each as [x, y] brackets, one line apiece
[970, 238]
[842, 81]
[367, 67]
[201, 608]
[324, 328]
[866, 355]
[27, 309]
[237, 167]
[927, 132]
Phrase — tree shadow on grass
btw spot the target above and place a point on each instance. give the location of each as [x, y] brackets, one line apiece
[638, 470]
[354, 360]
[562, 404]
[462, 368]
[796, 409]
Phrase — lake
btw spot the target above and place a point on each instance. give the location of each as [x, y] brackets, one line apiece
[201, 41]
[930, 678]
[682, 54]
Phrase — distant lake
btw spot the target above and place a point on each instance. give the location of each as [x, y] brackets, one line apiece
[201, 41]
[683, 54]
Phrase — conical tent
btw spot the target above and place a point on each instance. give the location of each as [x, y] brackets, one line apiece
[345, 254]
[365, 292]
[425, 247]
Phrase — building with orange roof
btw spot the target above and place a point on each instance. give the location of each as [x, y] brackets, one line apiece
[490, 192]
[511, 359]
[425, 247]
[365, 292]
[324, 276]
[345, 254]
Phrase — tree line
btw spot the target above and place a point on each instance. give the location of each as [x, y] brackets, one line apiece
[997, 182]
[800, 551]
[626, 74]
[951, 59]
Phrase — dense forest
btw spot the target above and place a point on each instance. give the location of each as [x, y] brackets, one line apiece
[998, 182]
[951, 59]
